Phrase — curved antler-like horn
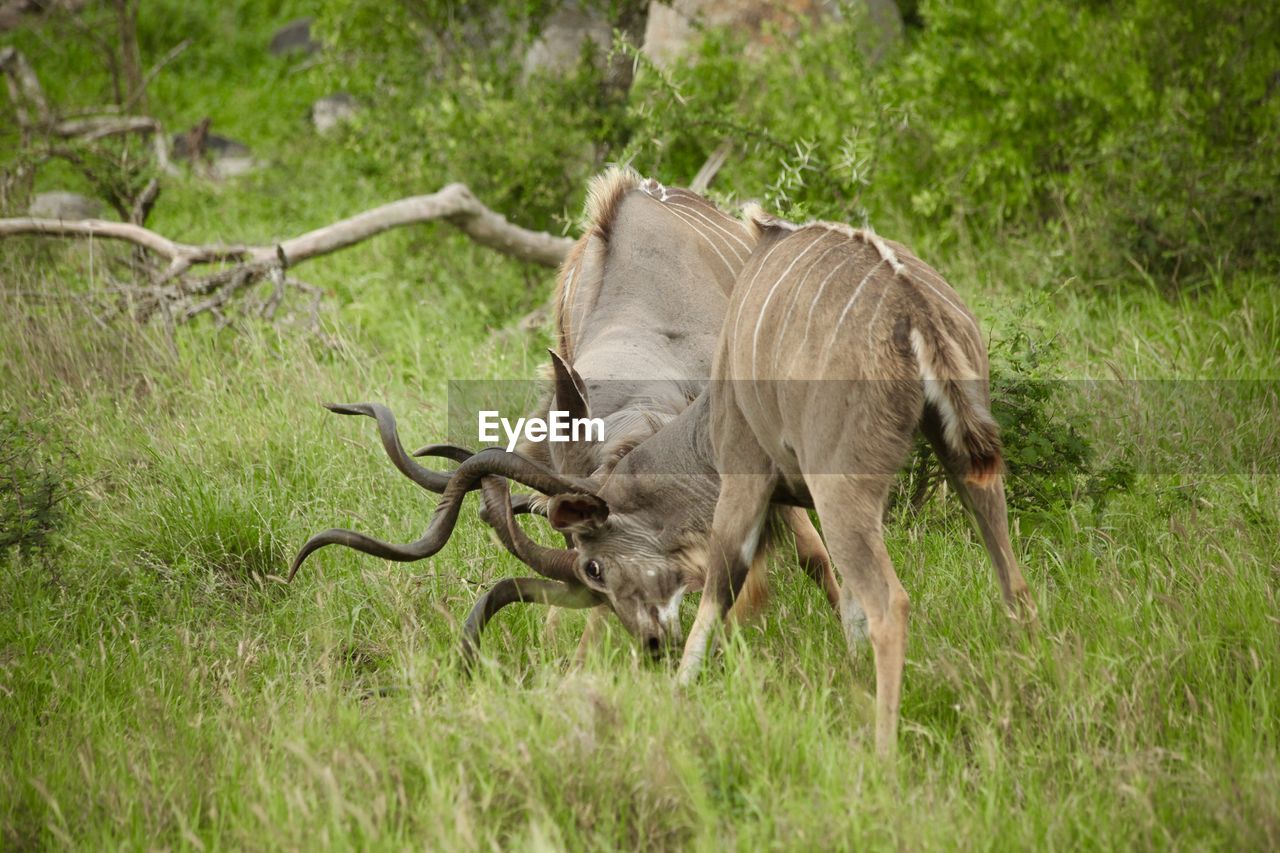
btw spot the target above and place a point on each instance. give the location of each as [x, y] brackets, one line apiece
[523, 590]
[432, 481]
[549, 562]
[488, 462]
[520, 503]
[518, 467]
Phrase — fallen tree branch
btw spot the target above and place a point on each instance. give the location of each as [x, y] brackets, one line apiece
[136, 234]
[179, 296]
[454, 204]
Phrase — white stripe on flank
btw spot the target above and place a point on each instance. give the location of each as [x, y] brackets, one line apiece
[876, 313]
[809, 320]
[685, 213]
[795, 298]
[854, 298]
[914, 272]
[742, 297]
[764, 306]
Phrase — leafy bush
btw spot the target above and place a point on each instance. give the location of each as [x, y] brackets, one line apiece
[448, 103]
[1049, 455]
[1152, 127]
[1150, 131]
[1192, 180]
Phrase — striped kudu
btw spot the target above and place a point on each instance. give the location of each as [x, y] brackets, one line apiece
[838, 346]
[638, 306]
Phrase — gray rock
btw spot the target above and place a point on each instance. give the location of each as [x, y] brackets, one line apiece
[233, 167]
[333, 110]
[674, 28]
[294, 37]
[559, 46]
[64, 205]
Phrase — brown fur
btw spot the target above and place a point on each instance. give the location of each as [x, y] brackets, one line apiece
[572, 262]
[604, 196]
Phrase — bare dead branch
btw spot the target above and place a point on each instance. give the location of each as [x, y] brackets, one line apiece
[715, 161]
[455, 204]
[33, 112]
[24, 88]
[136, 234]
[181, 297]
[100, 127]
[174, 52]
[144, 202]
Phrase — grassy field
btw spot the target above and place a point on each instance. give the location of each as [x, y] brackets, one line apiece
[161, 687]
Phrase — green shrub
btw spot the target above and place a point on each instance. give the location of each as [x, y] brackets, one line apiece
[1051, 462]
[1148, 133]
[1152, 127]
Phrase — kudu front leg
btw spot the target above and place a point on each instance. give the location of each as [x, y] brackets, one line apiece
[741, 512]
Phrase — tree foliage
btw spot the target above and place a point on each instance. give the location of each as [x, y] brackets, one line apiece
[1148, 131]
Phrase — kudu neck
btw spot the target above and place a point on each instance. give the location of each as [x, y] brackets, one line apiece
[682, 447]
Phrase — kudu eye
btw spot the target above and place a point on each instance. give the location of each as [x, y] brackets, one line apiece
[592, 570]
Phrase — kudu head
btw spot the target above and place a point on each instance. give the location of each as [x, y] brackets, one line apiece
[639, 526]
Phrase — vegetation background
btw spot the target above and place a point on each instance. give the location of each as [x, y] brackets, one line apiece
[1099, 181]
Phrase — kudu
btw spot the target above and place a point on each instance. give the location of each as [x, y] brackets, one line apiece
[638, 308]
[838, 346]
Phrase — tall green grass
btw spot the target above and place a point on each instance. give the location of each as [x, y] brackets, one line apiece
[161, 687]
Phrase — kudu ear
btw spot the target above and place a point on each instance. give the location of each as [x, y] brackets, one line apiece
[571, 391]
[576, 513]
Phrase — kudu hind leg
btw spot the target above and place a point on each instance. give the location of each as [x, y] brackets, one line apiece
[989, 509]
[812, 553]
[851, 509]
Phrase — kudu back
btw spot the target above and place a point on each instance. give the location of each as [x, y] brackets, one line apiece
[638, 306]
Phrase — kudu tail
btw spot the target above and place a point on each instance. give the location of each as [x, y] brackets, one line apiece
[953, 387]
